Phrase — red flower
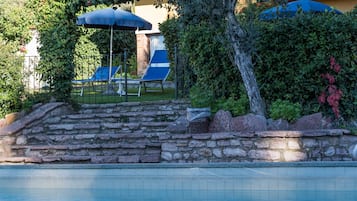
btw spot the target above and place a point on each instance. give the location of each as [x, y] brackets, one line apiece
[330, 78]
[334, 66]
[322, 98]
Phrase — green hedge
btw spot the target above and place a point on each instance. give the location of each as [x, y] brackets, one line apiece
[11, 87]
[293, 54]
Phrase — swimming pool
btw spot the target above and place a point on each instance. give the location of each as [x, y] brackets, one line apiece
[181, 182]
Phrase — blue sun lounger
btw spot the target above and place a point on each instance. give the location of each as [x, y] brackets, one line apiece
[101, 74]
[157, 71]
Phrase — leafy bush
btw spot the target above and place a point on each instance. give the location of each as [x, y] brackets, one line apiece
[284, 109]
[11, 87]
[292, 54]
[200, 97]
[235, 106]
[209, 59]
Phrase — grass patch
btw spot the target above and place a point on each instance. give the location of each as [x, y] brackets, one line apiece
[95, 95]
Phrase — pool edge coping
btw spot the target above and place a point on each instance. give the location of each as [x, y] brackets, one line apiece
[183, 165]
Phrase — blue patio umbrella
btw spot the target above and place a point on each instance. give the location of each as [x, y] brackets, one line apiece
[113, 18]
[292, 8]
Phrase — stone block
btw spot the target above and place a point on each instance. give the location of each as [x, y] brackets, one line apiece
[177, 156]
[196, 143]
[249, 122]
[279, 124]
[308, 122]
[129, 159]
[291, 156]
[222, 136]
[310, 143]
[21, 140]
[150, 158]
[205, 152]
[264, 155]
[168, 147]
[277, 144]
[217, 153]
[198, 125]
[221, 122]
[293, 144]
[234, 152]
[167, 156]
[179, 126]
[202, 136]
[104, 159]
[70, 158]
[211, 144]
[330, 151]
[262, 144]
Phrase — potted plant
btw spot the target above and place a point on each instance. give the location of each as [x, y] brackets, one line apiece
[201, 100]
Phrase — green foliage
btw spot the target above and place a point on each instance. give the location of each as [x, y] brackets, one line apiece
[209, 59]
[200, 96]
[235, 106]
[59, 35]
[284, 109]
[293, 53]
[11, 87]
[16, 20]
[185, 77]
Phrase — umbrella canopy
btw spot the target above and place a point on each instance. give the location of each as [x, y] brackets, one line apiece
[292, 8]
[113, 18]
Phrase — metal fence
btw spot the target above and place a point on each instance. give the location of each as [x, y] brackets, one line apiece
[84, 67]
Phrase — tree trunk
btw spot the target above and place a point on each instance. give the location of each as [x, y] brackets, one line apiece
[243, 59]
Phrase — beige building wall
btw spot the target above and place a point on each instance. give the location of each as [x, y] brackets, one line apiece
[146, 10]
[342, 5]
[152, 14]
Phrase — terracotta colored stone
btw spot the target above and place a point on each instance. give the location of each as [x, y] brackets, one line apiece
[308, 122]
[221, 122]
[249, 122]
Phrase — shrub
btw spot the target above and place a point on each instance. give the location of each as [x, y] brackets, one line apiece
[283, 109]
[11, 87]
[293, 53]
[200, 97]
[235, 106]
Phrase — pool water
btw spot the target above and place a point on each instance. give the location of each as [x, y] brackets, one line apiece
[223, 182]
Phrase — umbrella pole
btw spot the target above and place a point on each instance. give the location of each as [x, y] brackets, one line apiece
[110, 54]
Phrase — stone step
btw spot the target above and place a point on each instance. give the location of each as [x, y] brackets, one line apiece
[152, 116]
[120, 140]
[98, 128]
[165, 105]
[87, 153]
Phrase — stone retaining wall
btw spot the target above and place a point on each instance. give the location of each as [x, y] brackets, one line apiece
[151, 133]
[271, 146]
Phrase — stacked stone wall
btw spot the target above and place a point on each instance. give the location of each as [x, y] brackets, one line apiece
[268, 146]
[154, 132]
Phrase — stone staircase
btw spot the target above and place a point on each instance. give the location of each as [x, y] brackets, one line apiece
[96, 133]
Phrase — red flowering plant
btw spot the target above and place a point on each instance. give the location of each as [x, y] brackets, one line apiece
[331, 94]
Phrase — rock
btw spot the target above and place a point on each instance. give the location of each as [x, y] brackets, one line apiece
[198, 113]
[198, 126]
[2, 123]
[249, 122]
[221, 122]
[279, 124]
[179, 126]
[308, 122]
[12, 117]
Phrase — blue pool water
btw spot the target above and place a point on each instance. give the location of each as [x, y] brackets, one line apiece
[211, 182]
